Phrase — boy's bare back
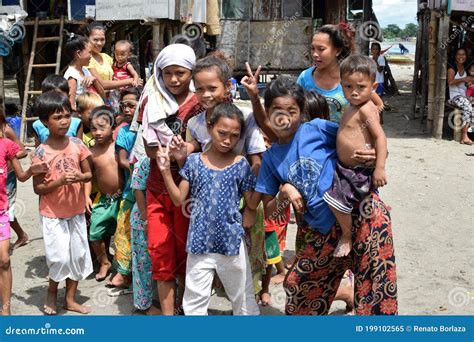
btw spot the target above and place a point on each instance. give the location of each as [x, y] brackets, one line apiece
[355, 131]
[106, 170]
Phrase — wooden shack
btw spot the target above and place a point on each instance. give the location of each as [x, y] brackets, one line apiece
[446, 25]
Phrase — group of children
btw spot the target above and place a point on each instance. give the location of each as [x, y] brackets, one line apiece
[175, 176]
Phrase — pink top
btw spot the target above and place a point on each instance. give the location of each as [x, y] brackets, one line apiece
[470, 91]
[117, 129]
[8, 151]
[67, 200]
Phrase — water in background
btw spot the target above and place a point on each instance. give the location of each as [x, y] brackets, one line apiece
[395, 50]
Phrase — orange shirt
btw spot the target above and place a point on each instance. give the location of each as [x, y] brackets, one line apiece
[67, 200]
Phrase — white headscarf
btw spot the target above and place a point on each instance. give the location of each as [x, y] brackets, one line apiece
[161, 103]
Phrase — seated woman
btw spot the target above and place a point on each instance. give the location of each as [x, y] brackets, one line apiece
[457, 79]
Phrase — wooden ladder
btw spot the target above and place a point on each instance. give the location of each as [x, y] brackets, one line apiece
[29, 94]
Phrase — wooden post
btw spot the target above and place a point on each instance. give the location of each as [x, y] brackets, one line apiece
[158, 34]
[424, 69]
[441, 71]
[416, 72]
[2, 87]
[431, 70]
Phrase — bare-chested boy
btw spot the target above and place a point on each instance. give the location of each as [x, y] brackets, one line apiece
[359, 128]
[109, 179]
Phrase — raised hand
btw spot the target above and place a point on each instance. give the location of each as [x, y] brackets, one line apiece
[163, 158]
[250, 81]
[178, 148]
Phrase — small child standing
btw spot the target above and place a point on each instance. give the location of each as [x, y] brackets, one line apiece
[8, 154]
[380, 61]
[79, 79]
[41, 132]
[86, 102]
[62, 203]
[122, 67]
[109, 180]
[123, 146]
[359, 127]
[215, 180]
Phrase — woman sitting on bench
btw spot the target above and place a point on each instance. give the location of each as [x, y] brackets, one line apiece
[457, 79]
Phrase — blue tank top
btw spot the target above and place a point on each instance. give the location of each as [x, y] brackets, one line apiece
[335, 97]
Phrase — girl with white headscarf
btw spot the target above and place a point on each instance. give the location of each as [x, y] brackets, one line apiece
[166, 104]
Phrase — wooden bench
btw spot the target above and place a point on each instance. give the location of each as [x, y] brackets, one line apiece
[454, 120]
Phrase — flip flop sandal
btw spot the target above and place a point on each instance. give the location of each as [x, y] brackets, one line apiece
[115, 292]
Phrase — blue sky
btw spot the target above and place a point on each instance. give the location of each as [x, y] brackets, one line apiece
[400, 12]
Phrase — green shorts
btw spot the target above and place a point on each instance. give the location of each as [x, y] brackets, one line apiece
[104, 216]
[272, 248]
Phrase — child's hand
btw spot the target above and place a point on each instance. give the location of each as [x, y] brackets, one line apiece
[178, 148]
[293, 195]
[88, 204]
[68, 178]
[250, 81]
[135, 83]
[139, 83]
[88, 81]
[163, 158]
[379, 178]
[39, 168]
[249, 218]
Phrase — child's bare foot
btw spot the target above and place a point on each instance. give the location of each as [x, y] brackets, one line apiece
[103, 271]
[20, 242]
[344, 246]
[6, 310]
[119, 280]
[50, 307]
[278, 278]
[152, 311]
[76, 307]
[265, 298]
[346, 294]
[466, 141]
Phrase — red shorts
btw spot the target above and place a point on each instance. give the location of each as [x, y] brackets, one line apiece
[167, 234]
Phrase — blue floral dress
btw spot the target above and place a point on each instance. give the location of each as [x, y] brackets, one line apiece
[141, 261]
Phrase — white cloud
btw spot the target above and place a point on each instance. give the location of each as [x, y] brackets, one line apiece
[400, 12]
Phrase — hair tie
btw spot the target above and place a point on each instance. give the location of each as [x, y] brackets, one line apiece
[345, 26]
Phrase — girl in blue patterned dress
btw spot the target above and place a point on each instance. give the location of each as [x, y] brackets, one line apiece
[141, 262]
[215, 180]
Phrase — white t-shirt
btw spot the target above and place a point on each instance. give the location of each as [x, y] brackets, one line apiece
[251, 143]
[459, 89]
[379, 75]
[72, 72]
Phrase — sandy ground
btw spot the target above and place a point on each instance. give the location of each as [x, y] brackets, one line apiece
[430, 192]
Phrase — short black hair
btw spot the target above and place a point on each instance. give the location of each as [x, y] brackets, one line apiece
[130, 90]
[315, 106]
[50, 103]
[358, 63]
[227, 110]
[55, 82]
[103, 111]
[218, 63]
[284, 86]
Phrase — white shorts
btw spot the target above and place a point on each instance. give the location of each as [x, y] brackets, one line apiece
[235, 275]
[66, 248]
